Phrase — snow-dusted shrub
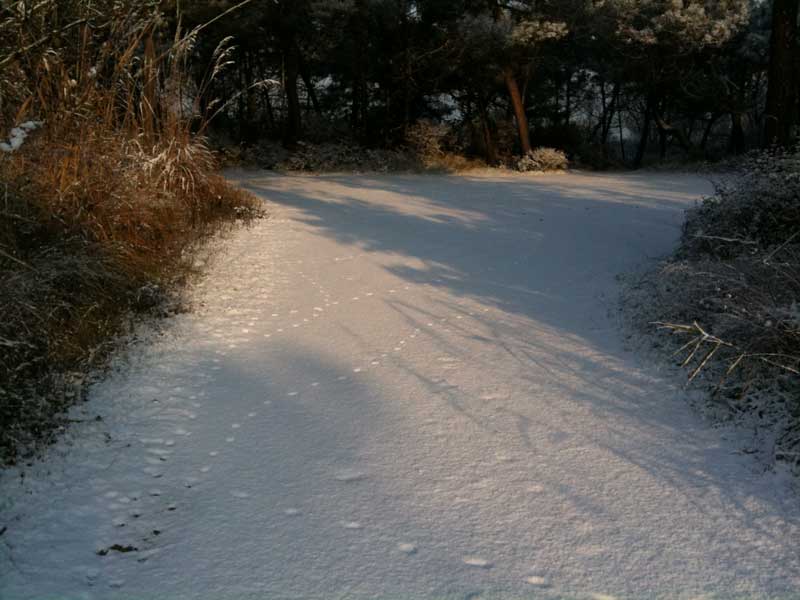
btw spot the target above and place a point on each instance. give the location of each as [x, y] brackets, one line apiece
[344, 157]
[267, 154]
[427, 138]
[543, 159]
[439, 147]
[506, 136]
[728, 300]
[755, 210]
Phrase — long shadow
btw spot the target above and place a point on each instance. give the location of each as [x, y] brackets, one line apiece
[541, 248]
[542, 253]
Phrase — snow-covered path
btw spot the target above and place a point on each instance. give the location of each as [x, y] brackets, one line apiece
[407, 387]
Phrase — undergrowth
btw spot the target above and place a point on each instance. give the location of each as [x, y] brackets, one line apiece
[103, 205]
[727, 301]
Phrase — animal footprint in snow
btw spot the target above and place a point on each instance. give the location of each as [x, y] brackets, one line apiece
[406, 548]
[350, 475]
[480, 563]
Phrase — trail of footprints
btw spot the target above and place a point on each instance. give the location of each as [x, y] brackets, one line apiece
[129, 508]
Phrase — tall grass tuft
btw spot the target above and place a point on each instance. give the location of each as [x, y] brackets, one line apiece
[102, 205]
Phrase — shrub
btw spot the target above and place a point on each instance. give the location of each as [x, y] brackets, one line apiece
[333, 157]
[753, 211]
[426, 138]
[543, 159]
[728, 298]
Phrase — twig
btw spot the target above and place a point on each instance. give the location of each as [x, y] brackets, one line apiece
[16, 260]
[724, 239]
[781, 247]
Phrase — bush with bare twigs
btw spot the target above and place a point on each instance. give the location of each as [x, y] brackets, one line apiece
[102, 205]
[543, 159]
[728, 299]
[427, 140]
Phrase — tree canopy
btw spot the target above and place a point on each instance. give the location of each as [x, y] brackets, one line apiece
[603, 79]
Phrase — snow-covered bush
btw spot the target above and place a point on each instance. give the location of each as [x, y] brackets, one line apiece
[343, 157]
[728, 299]
[426, 138]
[543, 159]
[757, 209]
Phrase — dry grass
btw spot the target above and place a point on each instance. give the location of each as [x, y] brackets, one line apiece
[100, 209]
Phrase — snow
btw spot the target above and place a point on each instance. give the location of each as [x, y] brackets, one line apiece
[18, 136]
[474, 428]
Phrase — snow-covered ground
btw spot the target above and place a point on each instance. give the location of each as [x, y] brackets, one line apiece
[407, 387]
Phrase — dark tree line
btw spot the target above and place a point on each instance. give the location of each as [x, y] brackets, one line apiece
[617, 79]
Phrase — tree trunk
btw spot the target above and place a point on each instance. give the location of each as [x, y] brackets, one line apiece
[602, 120]
[782, 91]
[309, 85]
[667, 130]
[268, 107]
[608, 121]
[662, 140]
[488, 140]
[292, 130]
[519, 110]
[738, 144]
[648, 115]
